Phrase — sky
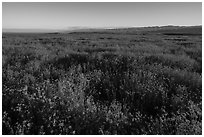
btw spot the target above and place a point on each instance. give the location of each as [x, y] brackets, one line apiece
[38, 15]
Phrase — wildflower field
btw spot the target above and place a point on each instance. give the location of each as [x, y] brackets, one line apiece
[125, 81]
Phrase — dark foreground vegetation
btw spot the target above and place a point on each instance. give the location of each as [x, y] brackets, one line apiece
[110, 82]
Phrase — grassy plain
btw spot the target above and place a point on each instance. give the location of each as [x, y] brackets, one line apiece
[125, 81]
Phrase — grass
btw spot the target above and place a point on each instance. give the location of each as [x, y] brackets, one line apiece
[102, 83]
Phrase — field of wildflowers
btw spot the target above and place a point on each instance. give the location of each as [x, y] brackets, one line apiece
[101, 83]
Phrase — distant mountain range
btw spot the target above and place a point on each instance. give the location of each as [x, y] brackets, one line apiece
[66, 30]
[28, 30]
[161, 29]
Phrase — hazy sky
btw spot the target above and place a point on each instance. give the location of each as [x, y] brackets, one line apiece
[62, 15]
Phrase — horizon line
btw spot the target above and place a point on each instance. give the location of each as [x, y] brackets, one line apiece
[103, 27]
[72, 28]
